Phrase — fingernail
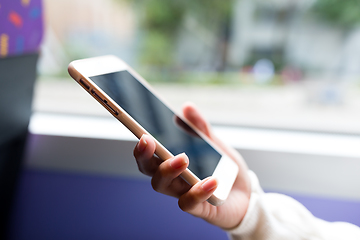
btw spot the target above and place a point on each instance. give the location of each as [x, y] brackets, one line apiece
[142, 144]
[209, 185]
[179, 161]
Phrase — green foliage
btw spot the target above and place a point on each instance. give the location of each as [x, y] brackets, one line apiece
[156, 49]
[161, 21]
[208, 10]
[345, 13]
[162, 15]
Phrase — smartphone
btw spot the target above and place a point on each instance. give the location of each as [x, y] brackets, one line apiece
[131, 100]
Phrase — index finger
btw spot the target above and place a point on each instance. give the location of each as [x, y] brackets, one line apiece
[144, 151]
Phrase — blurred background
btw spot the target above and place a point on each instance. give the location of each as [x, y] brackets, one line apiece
[278, 79]
[279, 63]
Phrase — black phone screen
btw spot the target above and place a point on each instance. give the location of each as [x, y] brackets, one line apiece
[151, 113]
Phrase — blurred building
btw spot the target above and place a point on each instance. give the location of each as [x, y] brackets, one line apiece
[284, 31]
[281, 31]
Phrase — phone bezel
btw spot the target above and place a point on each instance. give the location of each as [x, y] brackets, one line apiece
[81, 70]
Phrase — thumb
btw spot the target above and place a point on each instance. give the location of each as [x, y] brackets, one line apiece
[193, 115]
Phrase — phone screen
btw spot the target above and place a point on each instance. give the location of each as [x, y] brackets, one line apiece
[173, 133]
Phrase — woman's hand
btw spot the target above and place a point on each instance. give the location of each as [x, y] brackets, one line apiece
[166, 180]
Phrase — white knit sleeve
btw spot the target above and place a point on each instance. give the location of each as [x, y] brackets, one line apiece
[273, 216]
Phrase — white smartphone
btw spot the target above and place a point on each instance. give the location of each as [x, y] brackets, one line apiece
[130, 99]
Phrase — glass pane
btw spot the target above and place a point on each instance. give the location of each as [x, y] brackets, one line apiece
[279, 64]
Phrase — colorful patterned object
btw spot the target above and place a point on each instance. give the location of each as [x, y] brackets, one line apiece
[21, 27]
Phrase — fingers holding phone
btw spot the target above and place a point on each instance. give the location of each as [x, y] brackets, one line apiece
[166, 177]
[165, 174]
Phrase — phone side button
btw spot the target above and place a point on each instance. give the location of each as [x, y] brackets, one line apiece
[84, 84]
[111, 108]
[104, 102]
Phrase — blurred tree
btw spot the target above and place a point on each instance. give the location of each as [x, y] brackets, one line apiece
[342, 13]
[161, 21]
